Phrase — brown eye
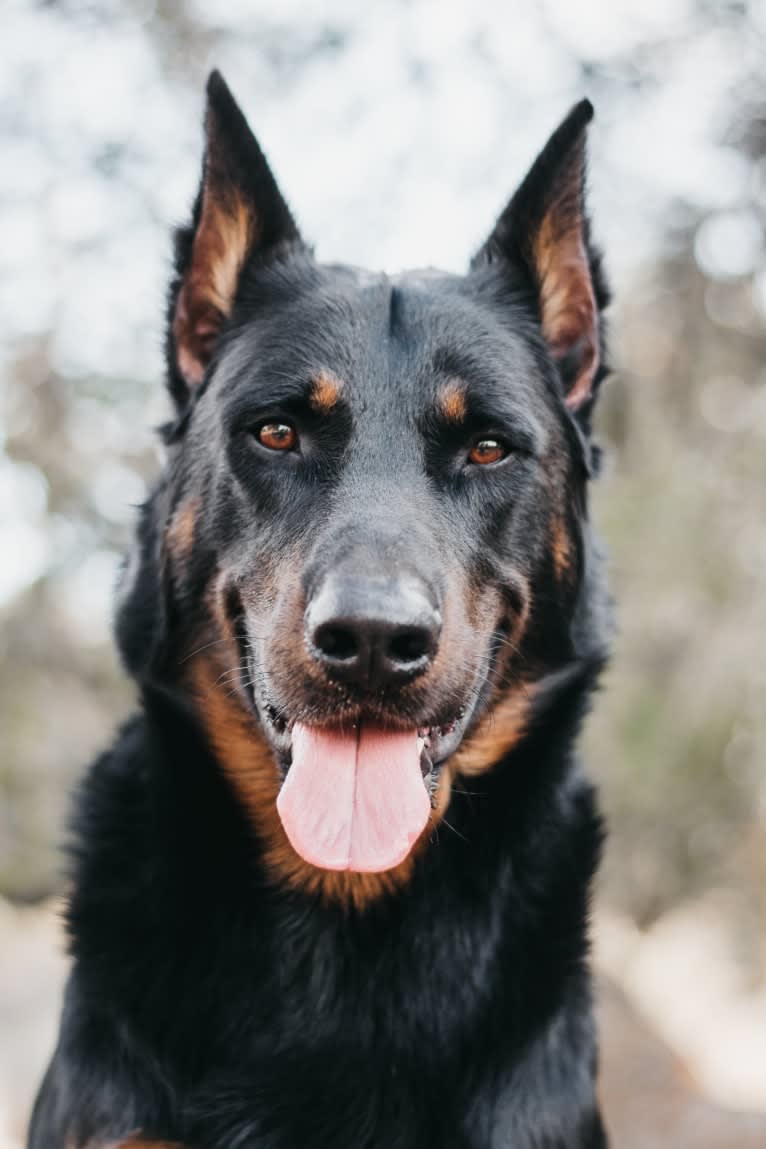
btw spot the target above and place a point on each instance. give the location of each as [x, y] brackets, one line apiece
[278, 436]
[487, 451]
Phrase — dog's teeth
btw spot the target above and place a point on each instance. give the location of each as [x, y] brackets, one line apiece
[426, 768]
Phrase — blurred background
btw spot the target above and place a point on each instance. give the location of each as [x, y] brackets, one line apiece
[397, 129]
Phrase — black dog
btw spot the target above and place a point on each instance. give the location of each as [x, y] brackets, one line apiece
[331, 886]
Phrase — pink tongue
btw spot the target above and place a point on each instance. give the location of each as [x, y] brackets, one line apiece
[354, 801]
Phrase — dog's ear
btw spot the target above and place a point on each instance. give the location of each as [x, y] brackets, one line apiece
[544, 230]
[239, 213]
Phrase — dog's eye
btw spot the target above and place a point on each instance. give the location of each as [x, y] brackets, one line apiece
[277, 436]
[486, 451]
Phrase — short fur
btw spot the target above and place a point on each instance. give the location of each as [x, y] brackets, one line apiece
[224, 993]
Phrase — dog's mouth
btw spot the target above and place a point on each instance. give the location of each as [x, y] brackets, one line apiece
[357, 795]
[359, 783]
[436, 741]
[360, 777]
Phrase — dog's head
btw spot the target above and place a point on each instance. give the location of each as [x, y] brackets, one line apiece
[368, 543]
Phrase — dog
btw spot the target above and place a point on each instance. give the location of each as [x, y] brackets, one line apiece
[330, 887]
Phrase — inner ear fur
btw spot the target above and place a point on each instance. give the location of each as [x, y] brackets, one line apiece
[545, 228]
[223, 239]
[239, 211]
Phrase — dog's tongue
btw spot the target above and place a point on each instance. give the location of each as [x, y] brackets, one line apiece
[354, 801]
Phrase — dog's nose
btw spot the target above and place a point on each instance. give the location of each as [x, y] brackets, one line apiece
[373, 632]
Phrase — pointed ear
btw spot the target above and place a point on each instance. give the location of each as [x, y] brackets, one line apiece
[545, 229]
[239, 212]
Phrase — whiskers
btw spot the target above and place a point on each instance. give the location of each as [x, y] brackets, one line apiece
[454, 830]
[200, 649]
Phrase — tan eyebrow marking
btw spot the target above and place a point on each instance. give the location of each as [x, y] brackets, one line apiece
[451, 401]
[325, 392]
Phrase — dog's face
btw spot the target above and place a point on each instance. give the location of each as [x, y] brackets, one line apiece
[370, 534]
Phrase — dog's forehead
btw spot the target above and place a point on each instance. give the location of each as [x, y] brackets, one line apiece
[409, 335]
[428, 329]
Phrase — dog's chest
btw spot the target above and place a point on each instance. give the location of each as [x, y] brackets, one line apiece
[357, 1037]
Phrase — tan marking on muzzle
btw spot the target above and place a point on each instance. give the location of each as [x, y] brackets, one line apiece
[499, 731]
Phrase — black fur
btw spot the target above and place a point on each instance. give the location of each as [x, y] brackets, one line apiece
[213, 1007]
